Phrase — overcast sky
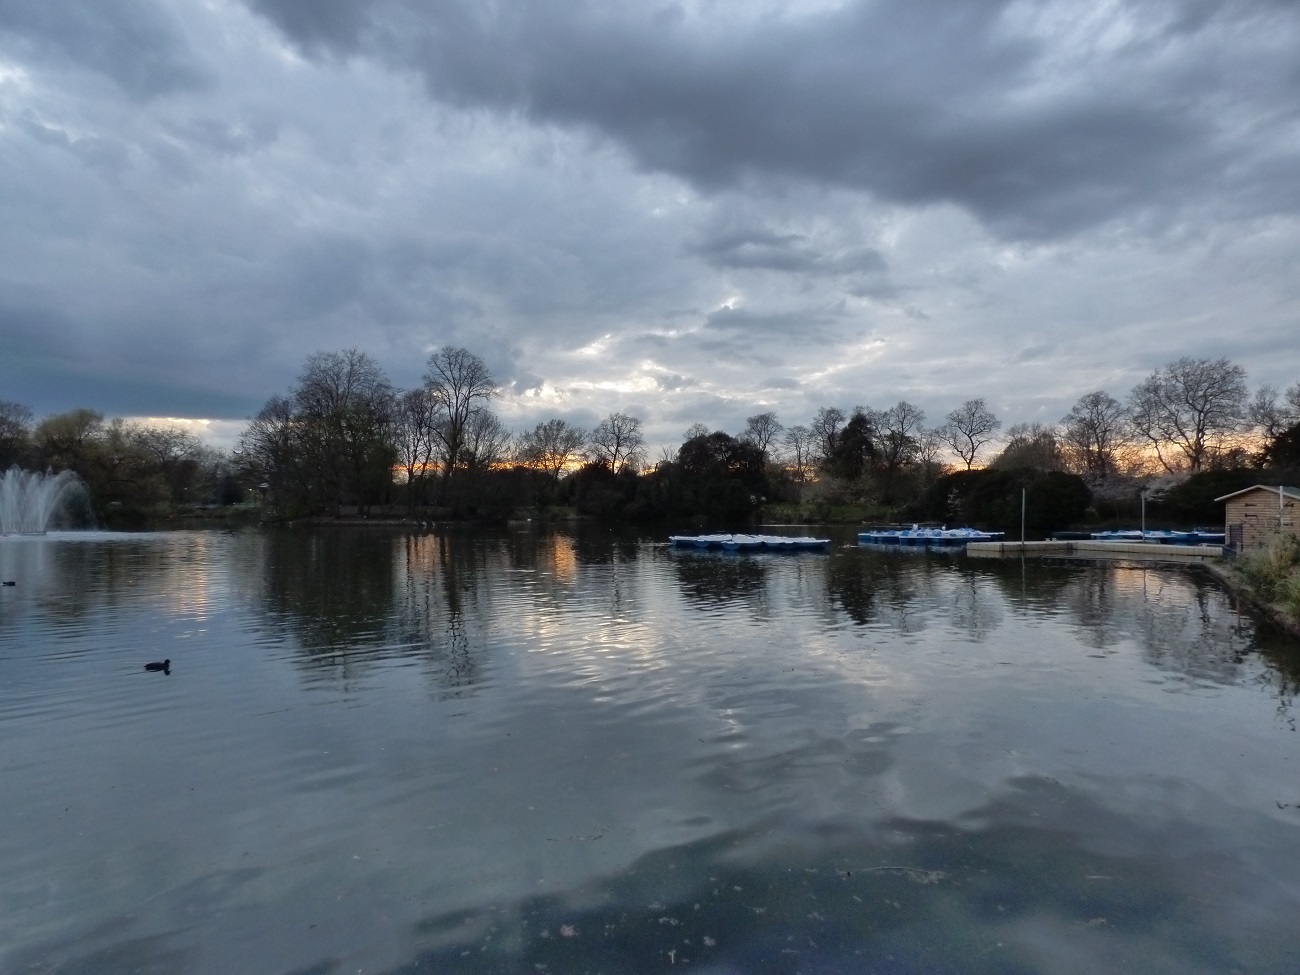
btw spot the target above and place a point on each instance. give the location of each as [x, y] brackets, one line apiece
[686, 211]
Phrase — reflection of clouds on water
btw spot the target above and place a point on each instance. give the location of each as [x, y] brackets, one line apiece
[447, 751]
[1041, 878]
[109, 949]
[76, 577]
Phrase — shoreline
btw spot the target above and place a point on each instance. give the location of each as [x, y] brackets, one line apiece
[1242, 591]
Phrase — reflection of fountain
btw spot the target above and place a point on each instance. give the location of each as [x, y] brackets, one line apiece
[29, 501]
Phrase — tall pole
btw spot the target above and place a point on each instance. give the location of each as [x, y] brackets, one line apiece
[1022, 519]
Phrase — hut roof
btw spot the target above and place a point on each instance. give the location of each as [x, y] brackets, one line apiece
[1290, 492]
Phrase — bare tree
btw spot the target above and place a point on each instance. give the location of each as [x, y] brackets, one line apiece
[617, 441]
[1030, 445]
[176, 455]
[64, 441]
[929, 444]
[854, 447]
[486, 441]
[825, 429]
[761, 430]
[897, 440]
[1187, 407]
[166, 445]
[268, 451]
[15, 433]
[1093, 433]
[345, 405]
[462, 385]
[1269, 416]
[551, 446]
[969, 428]
[696, 430]
[418, 416]
[798, 443]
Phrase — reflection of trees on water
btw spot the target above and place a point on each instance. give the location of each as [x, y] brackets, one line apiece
[1185, 628]
[594, 546]
[975, 606]
[1182, 620]
[1028, 589]
[905, 591]
[354, 598]
[1282, 653]
[888, 588]
[711, 578]
[440, 603]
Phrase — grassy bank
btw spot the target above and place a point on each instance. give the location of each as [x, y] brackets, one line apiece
[1270, 579]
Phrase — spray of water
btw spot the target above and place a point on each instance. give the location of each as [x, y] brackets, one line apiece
[31, 502]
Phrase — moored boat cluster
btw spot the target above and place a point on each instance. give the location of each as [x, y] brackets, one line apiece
[927, 537]
[1197, 536]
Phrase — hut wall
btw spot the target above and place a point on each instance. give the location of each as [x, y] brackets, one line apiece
[1256, 516]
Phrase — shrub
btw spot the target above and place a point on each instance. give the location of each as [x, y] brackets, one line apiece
[1274, 572]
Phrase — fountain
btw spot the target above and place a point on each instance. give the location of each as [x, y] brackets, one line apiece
[30, 501]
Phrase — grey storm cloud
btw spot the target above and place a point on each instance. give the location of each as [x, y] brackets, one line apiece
[133, 42]
[750, 323]
[914, 101]
[794, 253]
[703, 210]
[675, 382]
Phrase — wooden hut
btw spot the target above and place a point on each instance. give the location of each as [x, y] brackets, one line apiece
[1254, 516]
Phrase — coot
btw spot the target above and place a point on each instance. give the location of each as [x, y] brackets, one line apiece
[165, 666]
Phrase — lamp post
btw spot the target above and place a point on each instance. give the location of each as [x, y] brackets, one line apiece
[1022, 520]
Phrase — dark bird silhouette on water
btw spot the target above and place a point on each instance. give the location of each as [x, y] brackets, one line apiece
[9, 582]
[165, 666]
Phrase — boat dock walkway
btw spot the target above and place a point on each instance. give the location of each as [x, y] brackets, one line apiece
[1093, 549]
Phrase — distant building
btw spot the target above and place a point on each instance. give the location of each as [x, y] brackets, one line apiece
[1254, 516]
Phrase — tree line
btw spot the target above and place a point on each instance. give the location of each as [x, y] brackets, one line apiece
[345, 438]
[132, 467]
[336, 439]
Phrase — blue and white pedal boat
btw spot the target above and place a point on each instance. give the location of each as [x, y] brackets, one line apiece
[918, 537]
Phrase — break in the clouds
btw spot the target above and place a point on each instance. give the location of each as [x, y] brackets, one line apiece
[693, 210]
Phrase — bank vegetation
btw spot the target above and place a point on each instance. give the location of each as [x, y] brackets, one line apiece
[344, 441]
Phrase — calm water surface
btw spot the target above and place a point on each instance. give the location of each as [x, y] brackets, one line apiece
[531, 752]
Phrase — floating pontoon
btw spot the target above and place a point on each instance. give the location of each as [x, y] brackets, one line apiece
[750, 543]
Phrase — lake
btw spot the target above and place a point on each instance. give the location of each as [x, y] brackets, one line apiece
[579, 751]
